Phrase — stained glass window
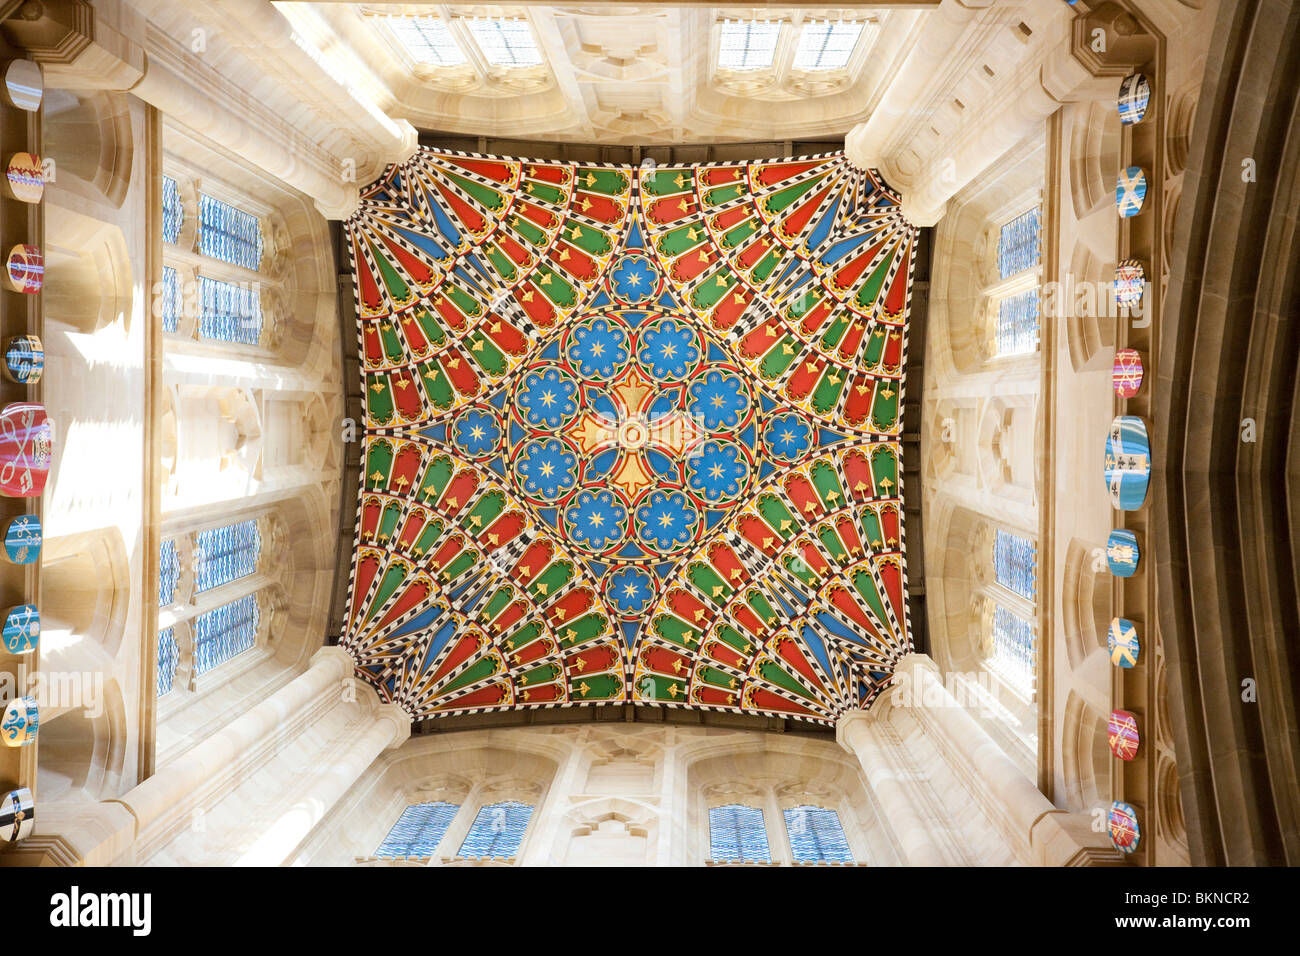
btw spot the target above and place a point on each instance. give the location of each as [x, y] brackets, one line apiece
[1015, 653]
[826, 46]
[173, 211]
[1014, 561]
[229, 234]
[506, 42]
[169, 572]
[168, 655]
[418, 830]
[736, 832]
[816, 836]
[1018, 244]
[497, 830]
[747, 46]
[229, 312]
[171, 300]
[427, 40]
[222, 633]
[1018, 323]
[226, 553]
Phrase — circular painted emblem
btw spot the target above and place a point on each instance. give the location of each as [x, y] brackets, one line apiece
[1128, 462]
[1122, 734]
[26, 268]
[26, 444]
[23, 539]
[1126, 376]
[24, 359]
[1122, 553]
[1122, 823]
[1131, 191]
[17, 815]
[1122, 642]
[21, 720]
[1134, 95]
[26, 177]
[635, 279]
[22, 629]
[1130, 282]
[24, 84]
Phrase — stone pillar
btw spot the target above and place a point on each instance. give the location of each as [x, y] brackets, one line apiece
[858, 732]
[384, 727]
[173, 791]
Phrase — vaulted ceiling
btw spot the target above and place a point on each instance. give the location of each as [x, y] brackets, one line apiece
[631, 435]
[617, 73]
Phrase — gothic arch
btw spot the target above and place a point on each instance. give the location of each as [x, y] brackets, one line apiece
[88, 135]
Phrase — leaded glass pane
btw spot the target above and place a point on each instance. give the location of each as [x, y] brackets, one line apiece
[506, 42]
[816, 836]
[229, 312]
[226, 553]
[1018, 244]
[427, 40]
[826, 46]
[1014, 651]
[173, 211]
[171, 300]
[1018, 323]
[229, 234]
[168, 655]
[736, 832]
[497, 831]
[747, 46]
[222, 633]
[169, 572]
[418, 830]
[1014, 561]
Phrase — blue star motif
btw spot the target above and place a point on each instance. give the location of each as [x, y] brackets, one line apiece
[629, 590]
[547, 468]
[595, 519]
[547, 398]
[666, 521]
[719, 400]
[788, 436]
[718, 471]
[634, 279]
[668, 349]
[598, 349]
[476, 433]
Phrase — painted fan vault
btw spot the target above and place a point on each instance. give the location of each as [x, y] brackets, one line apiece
[631, 435]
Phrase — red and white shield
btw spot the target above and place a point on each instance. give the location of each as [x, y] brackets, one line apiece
[26, 444]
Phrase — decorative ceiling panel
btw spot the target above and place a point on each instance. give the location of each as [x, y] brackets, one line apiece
[631, 435]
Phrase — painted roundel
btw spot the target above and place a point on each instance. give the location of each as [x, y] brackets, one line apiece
[1127, 372]
[1122, 642]
[1128, 462]
[1122, 823]
[635, 279]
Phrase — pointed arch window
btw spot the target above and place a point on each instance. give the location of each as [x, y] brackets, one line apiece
[418, 831]
[173, 211]
[225, 632]
[171, 299]
[826, 45]
[816, 835]
[169, 572]
[1016, 297]
[1015, 653]
[229, 234]
[748, 46]
[226, 554]
[1015, 560]
[229, 312]
[737, 833]
[497, 830]
[168, 657]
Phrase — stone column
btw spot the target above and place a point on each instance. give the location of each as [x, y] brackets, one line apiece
[173, 791]
[858, 732]
[383, 727]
